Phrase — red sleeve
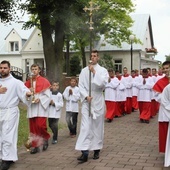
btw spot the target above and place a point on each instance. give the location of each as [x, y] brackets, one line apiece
[41, 84]
[161, 84]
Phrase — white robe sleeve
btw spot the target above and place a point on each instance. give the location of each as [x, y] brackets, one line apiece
[45, 98]
[83, 84]
[165, 99]
[58, 102]
[66, 93]
[75, 97]
[100, 80]
[21, 91]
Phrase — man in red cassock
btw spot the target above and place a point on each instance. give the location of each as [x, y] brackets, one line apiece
[145, 84]
[162, 118]
[134, 90]
[38, 110]
[110, 96]
[128, 91]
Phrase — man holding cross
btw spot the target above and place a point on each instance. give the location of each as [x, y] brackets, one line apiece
[92, 119]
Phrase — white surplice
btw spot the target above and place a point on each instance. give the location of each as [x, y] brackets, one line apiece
[110, 89]
[72, 101]
[92, 128]
[55, 111]
[145, 90]
[40, 109]
[9, 116]
[120, 91]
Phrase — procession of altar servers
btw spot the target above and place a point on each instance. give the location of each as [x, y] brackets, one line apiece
[149, 94]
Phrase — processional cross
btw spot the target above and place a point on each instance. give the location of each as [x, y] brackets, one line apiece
[90, 9]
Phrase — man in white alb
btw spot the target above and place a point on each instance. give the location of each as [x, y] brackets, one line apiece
[92, 127]
[9, 114]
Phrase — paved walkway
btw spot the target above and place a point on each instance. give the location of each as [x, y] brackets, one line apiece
[128, 145]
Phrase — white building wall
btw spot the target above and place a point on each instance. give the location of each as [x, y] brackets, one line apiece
[13, 36]
[14, 60]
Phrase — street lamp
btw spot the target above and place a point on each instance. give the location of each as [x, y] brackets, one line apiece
[131, 38]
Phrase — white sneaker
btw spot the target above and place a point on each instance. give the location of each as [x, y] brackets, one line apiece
[54, 141]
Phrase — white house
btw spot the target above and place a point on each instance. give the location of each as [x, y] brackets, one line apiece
[12, 39]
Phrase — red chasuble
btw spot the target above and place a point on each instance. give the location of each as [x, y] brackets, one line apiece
[41, 84]
[161, 84]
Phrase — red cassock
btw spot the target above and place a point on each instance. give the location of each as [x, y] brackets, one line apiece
[145, 110]
[111, 109]
[135, 102]
[38, 125]
[163, 126]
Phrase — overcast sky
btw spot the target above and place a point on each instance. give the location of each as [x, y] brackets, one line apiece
[159, 11]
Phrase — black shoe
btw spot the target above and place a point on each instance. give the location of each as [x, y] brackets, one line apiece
[96, 155]
[147, 121]
[109, 120]
[124, 114]
[45, 145]
[34, 150]
[142, 121]
[6, 165]
[83, 158]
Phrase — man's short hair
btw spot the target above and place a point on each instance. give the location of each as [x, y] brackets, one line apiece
[166, 63]
[110, 70]
[36, 65]
[145, 70]
[6, 62]
[94, 51]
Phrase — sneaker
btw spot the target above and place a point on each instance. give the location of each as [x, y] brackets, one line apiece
[54, 141]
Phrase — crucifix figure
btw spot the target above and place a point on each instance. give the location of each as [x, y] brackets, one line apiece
[91, 9]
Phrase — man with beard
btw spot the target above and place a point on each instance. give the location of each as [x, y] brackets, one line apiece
[12, 91]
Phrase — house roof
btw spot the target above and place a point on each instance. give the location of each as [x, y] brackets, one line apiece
[5, 30]
[141, 22]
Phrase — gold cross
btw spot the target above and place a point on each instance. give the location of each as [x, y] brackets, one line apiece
[91, 9]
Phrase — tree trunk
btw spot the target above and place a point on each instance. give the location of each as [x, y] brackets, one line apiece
[83, 55]
[53, 51]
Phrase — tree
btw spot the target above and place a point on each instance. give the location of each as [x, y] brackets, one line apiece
[7, 10]
[112, 20]
[106, 61]
[62, 17]
[75, 67]
[167, 57]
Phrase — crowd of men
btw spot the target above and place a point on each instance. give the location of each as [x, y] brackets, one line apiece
[148, 92]
[129, 92]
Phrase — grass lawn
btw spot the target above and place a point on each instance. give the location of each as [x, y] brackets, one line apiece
[23, 130]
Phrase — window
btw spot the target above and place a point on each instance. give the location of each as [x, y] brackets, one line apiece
[118, 65]
[14, 46]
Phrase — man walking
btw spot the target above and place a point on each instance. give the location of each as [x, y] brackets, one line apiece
[92, 127]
